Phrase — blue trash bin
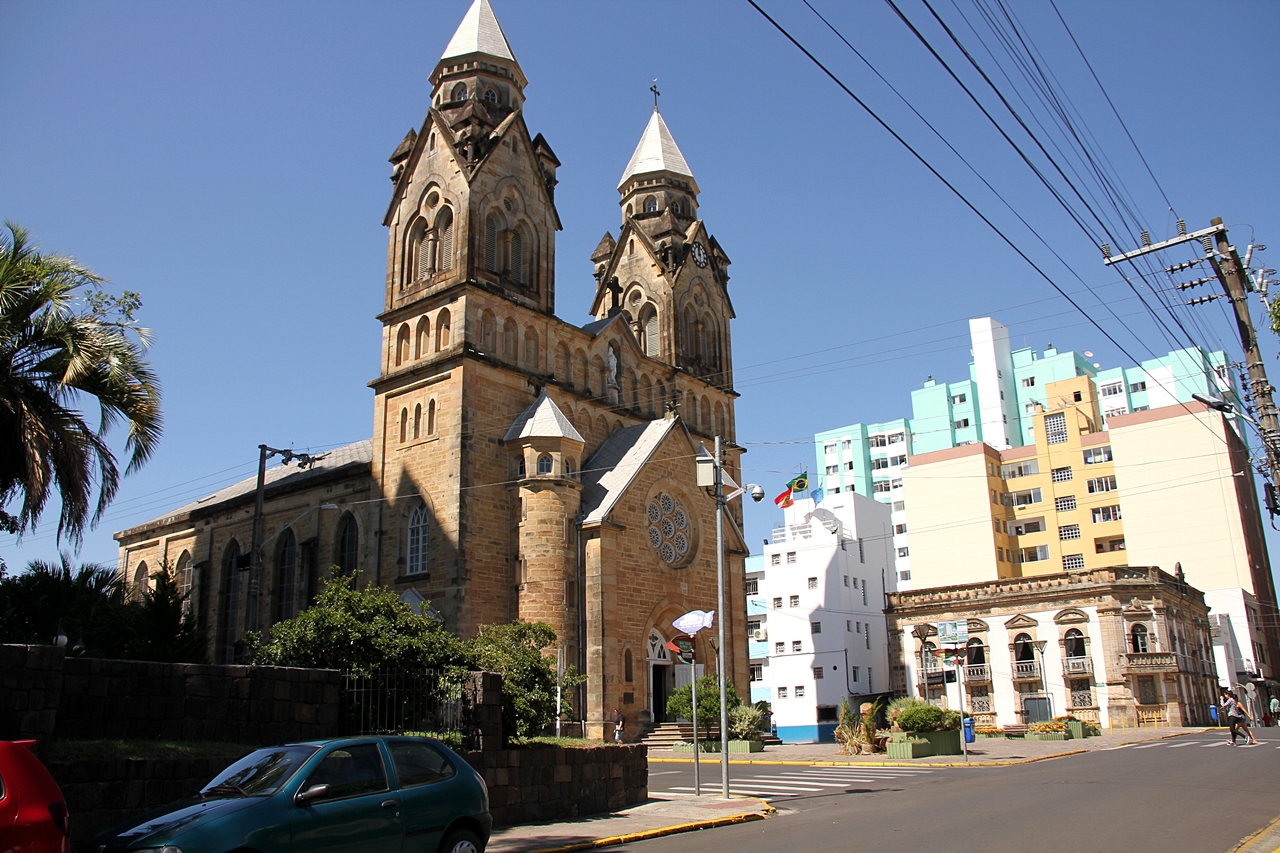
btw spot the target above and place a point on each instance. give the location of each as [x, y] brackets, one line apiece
[968, 730]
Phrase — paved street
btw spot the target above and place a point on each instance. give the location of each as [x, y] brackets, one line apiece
[1191, 794]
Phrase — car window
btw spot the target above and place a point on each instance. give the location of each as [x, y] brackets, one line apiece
[260, 772]
[350, 771]
[419, 763]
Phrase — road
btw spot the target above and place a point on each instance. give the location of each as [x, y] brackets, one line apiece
[1192, 794]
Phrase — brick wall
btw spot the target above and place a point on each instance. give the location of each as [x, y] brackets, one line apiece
[30, 686]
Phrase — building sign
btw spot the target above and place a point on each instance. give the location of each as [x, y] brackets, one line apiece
[953, 633]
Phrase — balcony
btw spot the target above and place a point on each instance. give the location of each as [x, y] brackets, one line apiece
[1026, 670]
[978, 673]
[1144, 662]
[1077, 667]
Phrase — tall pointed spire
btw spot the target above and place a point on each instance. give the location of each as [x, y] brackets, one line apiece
[479, 32]
[657, 152]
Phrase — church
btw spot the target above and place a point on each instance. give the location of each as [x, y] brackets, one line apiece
[520, 467]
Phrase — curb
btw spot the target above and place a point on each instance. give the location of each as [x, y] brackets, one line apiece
[1248, 841]
[674, 829]
[1005, 763]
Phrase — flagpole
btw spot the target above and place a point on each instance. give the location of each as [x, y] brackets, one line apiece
[721, 667]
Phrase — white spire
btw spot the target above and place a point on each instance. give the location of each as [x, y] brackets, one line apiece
[657, 152]
[479, 32]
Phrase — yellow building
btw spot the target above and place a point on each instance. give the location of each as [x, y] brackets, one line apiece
[1169, 487]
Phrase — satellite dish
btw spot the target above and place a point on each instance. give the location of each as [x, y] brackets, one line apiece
[1088, 354]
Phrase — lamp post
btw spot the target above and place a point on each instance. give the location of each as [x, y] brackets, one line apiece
[921, 633]
[1044, 684]
[711, 474]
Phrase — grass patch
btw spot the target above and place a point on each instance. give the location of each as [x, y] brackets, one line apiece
[544, 742]
[110, 750]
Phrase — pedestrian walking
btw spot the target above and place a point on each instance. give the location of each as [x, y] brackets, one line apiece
[619, 723]
[1275, 710]
[1228, 704]
[1237, 718]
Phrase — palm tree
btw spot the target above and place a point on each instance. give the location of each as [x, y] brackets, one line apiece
[66, 344]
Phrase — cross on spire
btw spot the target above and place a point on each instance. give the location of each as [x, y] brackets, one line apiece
[656, 93]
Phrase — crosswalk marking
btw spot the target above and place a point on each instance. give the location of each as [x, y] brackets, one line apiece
[816, 780]
[1219, 743]
[1149, 745]
[1185, 743]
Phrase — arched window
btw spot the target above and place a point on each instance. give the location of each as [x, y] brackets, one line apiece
[286, 576]
[417, 420]
[646, 394]
[442, 330]
[422, 340]
[530, 347]
[628, 667]
[1023, 650]
[417, 554]
[706, 413]
[491, 244]
[139, 581]
[520, 467]
[509, 340]
[693, 410]
[490, 96]
[582, 370]
[416, 251]
[630, 212]
[402, 344]
[404, 425]
[227, 624]
[649, 331]
[185, 578]
[975, 652]
[348, 550]
[650, 205]
[444, 238]
[720, 423]
[675, 207]
[488, 332]
[568, 466]
[544, 464]
[1138, 637]
[517, 257]
[564, 368]
[1073, 642]
[431, 417]
[460, 92]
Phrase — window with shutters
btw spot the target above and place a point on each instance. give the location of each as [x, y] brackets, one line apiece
[517, 257]
[418, 262]
[649, 324]
[491, 244]
[417, 420]
[444, 239]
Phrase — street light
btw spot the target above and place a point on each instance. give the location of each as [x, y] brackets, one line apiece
[1223, 406]
[711, 474]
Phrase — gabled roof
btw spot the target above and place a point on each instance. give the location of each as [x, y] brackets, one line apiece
[657, 152]
[595, 327]
[543, 419]
[479, 32]
[606, 478]
[351, 456]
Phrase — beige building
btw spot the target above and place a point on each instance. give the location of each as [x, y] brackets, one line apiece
[1120, 646]
[520, 467]
[1170, 487]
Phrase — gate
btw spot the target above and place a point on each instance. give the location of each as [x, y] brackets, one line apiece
[425, 702]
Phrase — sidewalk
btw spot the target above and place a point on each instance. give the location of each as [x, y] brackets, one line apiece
[662, 815]
[984, 752]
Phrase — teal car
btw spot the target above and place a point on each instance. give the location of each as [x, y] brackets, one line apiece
[353, 795]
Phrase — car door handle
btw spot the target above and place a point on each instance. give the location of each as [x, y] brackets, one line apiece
[388, 804]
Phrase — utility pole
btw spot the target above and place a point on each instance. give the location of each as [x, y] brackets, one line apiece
[1230, 273]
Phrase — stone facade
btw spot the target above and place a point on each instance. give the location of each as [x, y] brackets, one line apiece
[1122, 647]
[440, 505]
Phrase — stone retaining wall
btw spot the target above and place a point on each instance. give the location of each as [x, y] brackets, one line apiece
[531, 785]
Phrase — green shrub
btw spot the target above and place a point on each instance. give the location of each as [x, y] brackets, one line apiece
[921, 718]
[680, 704]
[951, 720]
[744, 722]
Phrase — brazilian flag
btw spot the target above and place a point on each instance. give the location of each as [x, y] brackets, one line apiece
[800, 484]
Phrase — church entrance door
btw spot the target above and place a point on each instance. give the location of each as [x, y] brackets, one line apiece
[659, 676]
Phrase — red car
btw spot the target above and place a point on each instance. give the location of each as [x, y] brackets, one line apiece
[33, 814]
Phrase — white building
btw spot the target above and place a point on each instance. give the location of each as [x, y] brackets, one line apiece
[815, 612]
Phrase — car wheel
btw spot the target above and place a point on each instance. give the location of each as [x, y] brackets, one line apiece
[462, 841]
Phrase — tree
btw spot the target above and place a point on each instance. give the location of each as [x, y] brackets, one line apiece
[361, 630]
[161, 626]
[67, 345]
[86, 603]
[515, 651]
[681, 702]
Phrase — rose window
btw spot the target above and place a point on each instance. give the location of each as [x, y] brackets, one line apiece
[670, 530]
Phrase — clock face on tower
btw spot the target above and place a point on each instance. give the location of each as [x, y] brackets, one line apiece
[699, 255]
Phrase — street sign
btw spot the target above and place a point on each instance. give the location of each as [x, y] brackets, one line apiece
[953, 633]
[686, 650]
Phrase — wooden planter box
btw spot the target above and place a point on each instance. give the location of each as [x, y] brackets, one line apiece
[944, 743]
[746, 746]
[1047, 736]
[909, 749]
[1076, 729]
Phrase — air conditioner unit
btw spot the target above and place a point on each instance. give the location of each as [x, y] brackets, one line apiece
[760, 634]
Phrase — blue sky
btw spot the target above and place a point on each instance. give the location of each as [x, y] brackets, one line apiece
[228, 161]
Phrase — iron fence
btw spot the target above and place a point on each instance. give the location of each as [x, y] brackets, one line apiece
[421, 702]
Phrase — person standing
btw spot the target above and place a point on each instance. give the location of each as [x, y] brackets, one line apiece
[1275, 710]
[1228, 704]
[619, 723]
